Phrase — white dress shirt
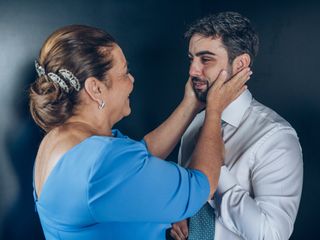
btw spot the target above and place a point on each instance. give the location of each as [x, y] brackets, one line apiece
[260, 183]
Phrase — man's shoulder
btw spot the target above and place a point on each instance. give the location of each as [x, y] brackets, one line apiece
[260, 116]
[260, 112]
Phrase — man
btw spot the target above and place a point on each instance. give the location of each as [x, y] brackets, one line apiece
[260, 183]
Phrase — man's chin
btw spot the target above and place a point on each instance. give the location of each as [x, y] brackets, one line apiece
[201, 95]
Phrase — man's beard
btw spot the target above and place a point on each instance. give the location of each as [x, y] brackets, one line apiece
[201, 94]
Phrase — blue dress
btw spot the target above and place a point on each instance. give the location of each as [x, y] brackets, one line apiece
[113, 188]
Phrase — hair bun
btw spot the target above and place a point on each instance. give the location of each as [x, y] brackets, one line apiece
[49, 104]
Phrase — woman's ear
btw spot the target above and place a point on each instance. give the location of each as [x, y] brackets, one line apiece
[240, 62]
[93, 88]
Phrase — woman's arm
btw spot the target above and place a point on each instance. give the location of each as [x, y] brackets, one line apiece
[208, 154]
[164, 138]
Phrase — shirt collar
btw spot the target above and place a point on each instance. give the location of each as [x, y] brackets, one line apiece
[235, 110]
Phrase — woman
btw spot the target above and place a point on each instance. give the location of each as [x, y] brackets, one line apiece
[93, 182]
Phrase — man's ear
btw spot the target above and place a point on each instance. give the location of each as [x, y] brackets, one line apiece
[240, 62]
[92, 87]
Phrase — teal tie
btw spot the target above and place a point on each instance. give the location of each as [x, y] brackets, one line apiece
[202, 225]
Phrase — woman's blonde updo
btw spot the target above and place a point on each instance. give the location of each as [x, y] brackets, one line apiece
[85, 52]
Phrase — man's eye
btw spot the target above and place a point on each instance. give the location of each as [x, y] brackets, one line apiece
[204, 60]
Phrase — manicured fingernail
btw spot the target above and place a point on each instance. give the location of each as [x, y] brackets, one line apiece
[250, 72]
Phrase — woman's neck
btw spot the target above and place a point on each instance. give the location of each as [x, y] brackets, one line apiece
[90, 126]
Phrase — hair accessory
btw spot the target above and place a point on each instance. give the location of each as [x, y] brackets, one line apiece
[74, 82]
[101, 104]
[40, 70]
[67, 75]
[55, 78]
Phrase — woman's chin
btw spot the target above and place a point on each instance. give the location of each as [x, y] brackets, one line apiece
[127, 112]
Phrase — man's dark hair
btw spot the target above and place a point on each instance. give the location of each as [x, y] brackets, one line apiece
[235, 31]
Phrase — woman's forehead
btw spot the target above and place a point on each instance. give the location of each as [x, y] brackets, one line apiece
[118, 57]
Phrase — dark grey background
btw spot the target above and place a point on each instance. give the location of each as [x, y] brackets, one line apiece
[151, 35]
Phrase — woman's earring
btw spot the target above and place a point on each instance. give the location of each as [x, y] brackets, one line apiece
[101, 104]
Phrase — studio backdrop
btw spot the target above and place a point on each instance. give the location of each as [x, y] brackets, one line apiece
[286, 78]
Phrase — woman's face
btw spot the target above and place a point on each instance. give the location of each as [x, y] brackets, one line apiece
[121, 85]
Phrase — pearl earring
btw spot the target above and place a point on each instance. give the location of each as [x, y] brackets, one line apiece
[101, 104]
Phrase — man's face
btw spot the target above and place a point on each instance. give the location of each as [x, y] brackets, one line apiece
[208, 58]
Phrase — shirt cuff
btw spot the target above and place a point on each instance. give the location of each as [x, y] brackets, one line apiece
[226, 180]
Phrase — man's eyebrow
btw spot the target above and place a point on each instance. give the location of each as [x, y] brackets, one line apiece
[201, 53]
[204, 53]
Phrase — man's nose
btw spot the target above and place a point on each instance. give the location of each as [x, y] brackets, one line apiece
[195, 69]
